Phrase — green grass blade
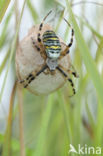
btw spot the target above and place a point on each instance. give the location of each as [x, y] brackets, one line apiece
[45, 122]
[85, 53]
[65, 114]
[90, 116]
[89, 26]
[32, 11]
[66, 119]
[99, 127]
[3, 7]
[12, 52]
[3, 35]
[4, 62]
[99, 51]
[59, 20]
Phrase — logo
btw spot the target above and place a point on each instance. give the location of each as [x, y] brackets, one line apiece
[85, 149]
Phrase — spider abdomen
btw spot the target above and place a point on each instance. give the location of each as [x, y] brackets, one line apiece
[52, 44]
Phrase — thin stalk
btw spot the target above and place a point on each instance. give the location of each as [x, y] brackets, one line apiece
[86, 2]
[12, 51]
[8, 134]
[21, 126]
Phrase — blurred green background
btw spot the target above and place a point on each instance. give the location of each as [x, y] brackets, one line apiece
[46, 125]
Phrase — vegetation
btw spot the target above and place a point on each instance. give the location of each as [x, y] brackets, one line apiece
[47, 125]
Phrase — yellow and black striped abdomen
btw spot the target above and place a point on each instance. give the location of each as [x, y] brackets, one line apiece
[52, 44]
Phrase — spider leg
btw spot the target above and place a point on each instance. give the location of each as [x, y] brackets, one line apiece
[70, 80]
[38, 48]
[70, 71]
[72, 34]
[35, 45]
[32, 76]
[66, 50]
[40, 28]
[64, 53]
[74, 73]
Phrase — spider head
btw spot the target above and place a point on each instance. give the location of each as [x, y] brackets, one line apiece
[52, 45]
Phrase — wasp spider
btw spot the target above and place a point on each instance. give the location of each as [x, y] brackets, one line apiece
[52, 45]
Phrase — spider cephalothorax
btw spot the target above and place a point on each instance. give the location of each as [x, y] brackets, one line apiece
[51, 46]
